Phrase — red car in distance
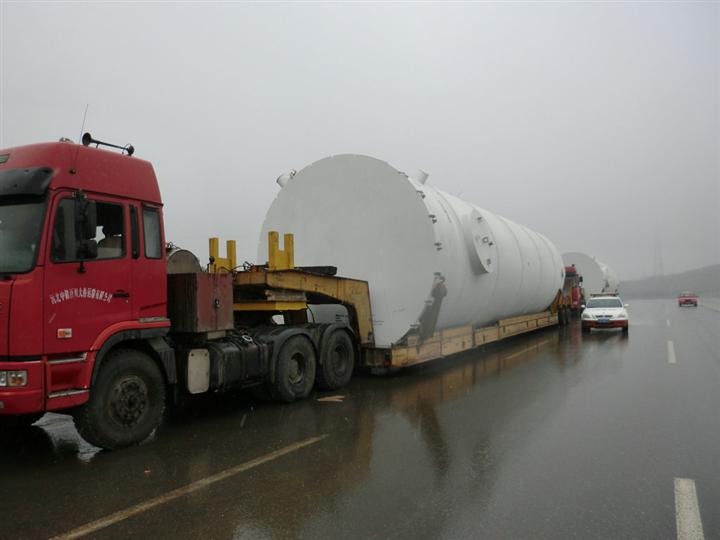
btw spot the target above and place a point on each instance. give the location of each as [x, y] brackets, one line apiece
[687, 298]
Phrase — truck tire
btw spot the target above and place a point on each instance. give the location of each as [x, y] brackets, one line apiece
[294, 370]
[10, 423]
[338, 361]
[127, 403]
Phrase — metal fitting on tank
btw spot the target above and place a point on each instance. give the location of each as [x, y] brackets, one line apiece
[283, 179]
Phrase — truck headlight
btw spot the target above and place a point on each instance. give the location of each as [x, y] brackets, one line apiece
[13, 378]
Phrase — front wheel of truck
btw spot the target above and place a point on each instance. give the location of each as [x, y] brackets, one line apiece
[126, 404]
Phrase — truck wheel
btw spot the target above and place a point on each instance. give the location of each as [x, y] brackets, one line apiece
[295, 370]
[338, 361]
[8, 423]
[126, 404]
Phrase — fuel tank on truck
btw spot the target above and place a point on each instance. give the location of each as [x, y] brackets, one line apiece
[433, 261]
[598, 277]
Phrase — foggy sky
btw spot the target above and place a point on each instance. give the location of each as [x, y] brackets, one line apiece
[595, 124]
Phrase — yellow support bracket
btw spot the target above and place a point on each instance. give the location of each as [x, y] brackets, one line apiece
[281, 259]
[222, 264]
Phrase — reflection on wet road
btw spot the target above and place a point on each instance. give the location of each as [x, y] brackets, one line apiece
[550, 435]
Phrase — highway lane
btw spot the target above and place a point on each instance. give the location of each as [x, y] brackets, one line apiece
[553, 435]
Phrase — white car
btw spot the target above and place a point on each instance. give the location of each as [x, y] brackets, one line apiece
[605, 311]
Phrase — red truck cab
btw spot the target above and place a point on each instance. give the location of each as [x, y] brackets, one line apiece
[82, 267]
[573, 288]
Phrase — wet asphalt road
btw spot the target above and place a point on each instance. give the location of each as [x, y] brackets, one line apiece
[552, 435]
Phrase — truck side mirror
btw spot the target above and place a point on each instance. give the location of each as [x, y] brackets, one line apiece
[85, 218]
[87, 249]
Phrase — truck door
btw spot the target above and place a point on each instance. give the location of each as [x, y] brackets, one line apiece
[148, 254]
[86, 295]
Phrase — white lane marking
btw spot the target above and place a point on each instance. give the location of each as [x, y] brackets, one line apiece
[667, 321]
[671, 353]
[687, 511]
[131, 511]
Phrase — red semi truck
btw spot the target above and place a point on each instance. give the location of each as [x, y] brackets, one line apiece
[99, 319]
[572, 295]
[572, 290]
[86, 325]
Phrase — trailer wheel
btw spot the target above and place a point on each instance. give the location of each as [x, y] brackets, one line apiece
[338, 361]
[10, 423]
[294, 370]
[127, 403]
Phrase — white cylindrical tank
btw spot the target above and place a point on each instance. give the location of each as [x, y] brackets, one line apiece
[597, 276]
[432, 260]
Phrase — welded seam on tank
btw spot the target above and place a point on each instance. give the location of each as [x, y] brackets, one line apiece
[506, 223]
[541, 270]
[457, 223]
[526, 280]
[498, 250]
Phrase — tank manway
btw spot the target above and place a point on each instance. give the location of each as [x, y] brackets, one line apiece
[433, 261]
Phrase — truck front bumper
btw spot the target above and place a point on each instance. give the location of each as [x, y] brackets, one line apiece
[23, 399]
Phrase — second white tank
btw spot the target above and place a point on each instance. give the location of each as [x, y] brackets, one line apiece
[432, 260]
[598, 277]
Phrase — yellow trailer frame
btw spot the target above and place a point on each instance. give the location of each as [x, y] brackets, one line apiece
[280, 287]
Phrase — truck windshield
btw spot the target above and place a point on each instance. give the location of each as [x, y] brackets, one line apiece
[20, 224]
